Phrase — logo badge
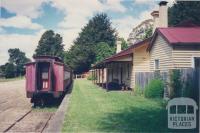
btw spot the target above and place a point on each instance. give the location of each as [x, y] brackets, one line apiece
[182, 113]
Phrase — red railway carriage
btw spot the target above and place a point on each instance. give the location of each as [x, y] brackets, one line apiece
[47, 76]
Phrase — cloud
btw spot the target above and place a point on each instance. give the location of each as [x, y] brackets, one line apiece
[26, 43]
[170, 2]
[2, 30]
[68, 36]
[125, 25]
[19, 22]
[143, 1]
[78, 16]
[114, 5]
[77, 13]
[29, 8]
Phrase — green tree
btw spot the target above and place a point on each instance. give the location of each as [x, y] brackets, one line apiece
[184, 10]
[148, 33]
[18, 59]
[10, 70]
[124, 43]
[103, 50]
[2, 70]
[50, 44]
[176, 84]
[78, 60]
[83, 53]
[97, 30]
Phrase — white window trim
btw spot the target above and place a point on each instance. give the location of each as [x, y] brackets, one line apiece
[193, 62]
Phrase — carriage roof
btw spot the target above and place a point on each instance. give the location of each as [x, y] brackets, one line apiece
[47, 57]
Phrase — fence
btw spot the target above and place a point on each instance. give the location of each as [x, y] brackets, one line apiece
[142, 79]
[189, 77]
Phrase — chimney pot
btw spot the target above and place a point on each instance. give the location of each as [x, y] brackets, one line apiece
[163, 3]
[119, 46]
[155, 13]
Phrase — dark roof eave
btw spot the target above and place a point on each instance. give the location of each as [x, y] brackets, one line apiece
[185, 43]
[130, 48]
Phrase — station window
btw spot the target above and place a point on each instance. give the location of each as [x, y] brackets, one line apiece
[157, 64]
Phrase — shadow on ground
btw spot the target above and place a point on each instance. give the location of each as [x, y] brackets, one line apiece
[113, 87]
[137, 120]
[134, 119]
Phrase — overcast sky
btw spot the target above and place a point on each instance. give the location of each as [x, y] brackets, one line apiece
[22, 22]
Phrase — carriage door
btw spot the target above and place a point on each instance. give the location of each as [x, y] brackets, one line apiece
[30, 77]
[45, 78]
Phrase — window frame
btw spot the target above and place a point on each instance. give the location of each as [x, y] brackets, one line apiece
[155, 64]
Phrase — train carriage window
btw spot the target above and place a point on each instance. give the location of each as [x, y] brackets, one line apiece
[190, 109]
[181, 109]
[45, 75]
[173, 109]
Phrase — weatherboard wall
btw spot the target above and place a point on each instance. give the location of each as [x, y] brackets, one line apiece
[183, 56]
[141, 61]
[161, 51]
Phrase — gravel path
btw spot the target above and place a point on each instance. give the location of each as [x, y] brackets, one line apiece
[16, 114]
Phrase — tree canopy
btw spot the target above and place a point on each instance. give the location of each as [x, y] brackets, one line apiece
[84, 51]
[148, 33]
[103, 50]
[98, 29]
[50, 44]
[123, 43]
[10, 70]
[15, 65]
[17, 57]
[184, 10]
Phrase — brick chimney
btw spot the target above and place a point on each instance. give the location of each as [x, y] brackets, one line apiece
[163, 14]
[119, 46]
[160, 17]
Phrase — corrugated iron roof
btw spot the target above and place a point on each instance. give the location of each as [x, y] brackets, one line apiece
[181, 35]
[178, 35]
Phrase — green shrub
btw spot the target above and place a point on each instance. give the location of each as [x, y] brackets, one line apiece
[90, 77]
[138, 91]
[154, 89]
[175, 83]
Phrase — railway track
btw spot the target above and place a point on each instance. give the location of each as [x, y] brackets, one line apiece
[31, 121]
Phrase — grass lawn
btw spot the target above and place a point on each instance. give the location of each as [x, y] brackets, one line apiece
[92, 109]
